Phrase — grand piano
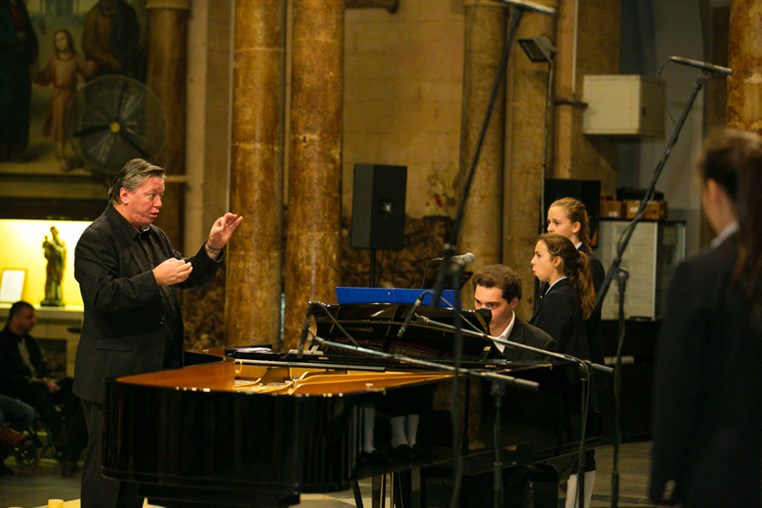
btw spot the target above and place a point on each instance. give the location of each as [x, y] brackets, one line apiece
[251, 427]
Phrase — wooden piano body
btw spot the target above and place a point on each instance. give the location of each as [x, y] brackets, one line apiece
[260, 429]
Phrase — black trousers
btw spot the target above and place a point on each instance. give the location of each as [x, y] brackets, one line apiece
[97, 490]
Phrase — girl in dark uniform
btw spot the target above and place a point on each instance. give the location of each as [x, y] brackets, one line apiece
[568, 217]
[568, 300]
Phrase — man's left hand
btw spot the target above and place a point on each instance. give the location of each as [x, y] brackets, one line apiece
[222, 230]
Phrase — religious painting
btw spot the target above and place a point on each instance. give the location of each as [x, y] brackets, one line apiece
[50, 50]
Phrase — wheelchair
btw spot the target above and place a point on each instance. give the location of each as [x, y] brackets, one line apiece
[27, 452]
[29, 447]
[24, 447]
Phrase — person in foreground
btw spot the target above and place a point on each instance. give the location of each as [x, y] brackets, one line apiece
[707, 408]
[498, 288]
[129, 274]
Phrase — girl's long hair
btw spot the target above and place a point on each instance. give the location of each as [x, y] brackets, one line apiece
[733, 159]
[576, 267]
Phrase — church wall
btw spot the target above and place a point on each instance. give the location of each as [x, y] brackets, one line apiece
[402, 97]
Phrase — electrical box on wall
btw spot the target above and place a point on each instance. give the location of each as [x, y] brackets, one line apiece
[623, 105]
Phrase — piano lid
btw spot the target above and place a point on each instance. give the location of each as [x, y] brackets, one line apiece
[376, 325]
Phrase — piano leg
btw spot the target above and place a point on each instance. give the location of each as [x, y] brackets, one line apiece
[378, 489]
[358, 495]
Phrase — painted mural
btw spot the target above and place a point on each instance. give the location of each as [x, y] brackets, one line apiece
[49, 50]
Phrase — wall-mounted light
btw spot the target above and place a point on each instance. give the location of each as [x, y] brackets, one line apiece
[538, 49]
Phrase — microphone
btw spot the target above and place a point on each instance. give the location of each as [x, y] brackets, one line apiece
[532, 6]
[702, 65]
[466, 258]
[410, 314]
[305, 331]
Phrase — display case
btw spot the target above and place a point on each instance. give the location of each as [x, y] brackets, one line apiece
[654, 250]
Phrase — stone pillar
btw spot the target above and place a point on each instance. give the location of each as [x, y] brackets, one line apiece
[254, 265]
[314, 180]
[166, 75]
[716, 90]
[527, 94]
[744, 107]
[482, 225]
[588, 43]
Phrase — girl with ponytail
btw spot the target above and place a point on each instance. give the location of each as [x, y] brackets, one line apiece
[568, 217]
[564, 306]
[570, 297]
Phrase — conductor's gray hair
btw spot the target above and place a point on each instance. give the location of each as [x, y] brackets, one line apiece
[131, 176]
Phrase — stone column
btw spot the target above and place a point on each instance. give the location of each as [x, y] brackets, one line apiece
[314, 180]
[525, 140]
[166, 76]
[716, 90]
[744, 107]
[482, 225]
[254, 265]
[588, 43]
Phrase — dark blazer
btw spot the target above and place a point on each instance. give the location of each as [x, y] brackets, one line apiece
[126, 327]
[593, 323]
[560, 315]
[14, 373]
[524, 333]
[707, 418]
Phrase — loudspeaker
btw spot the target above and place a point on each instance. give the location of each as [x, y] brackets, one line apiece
[587, 191]
[378, 206]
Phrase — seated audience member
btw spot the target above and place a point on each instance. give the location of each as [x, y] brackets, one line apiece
[15, 417]
[24, 374]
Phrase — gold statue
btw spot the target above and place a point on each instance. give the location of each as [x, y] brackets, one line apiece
[55, 253]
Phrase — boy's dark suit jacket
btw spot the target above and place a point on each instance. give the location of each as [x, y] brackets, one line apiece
[707, 416]
[524, 333]
[560, 315]
[125, 328]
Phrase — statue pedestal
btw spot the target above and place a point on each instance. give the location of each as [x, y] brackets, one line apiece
[52, 303]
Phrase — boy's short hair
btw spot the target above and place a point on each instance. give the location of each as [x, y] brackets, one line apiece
[499, 276]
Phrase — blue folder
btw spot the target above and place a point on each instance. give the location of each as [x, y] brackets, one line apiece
[392, 295]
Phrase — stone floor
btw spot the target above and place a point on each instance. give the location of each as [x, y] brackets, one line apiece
[33, 487]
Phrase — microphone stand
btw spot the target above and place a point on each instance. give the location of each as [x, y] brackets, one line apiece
[456, 369]
[511, 380]
[517, 345]
[616, 271]
[585, 367]
[449, 248]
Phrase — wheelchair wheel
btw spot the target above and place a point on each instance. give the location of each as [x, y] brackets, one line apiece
[27, 453]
